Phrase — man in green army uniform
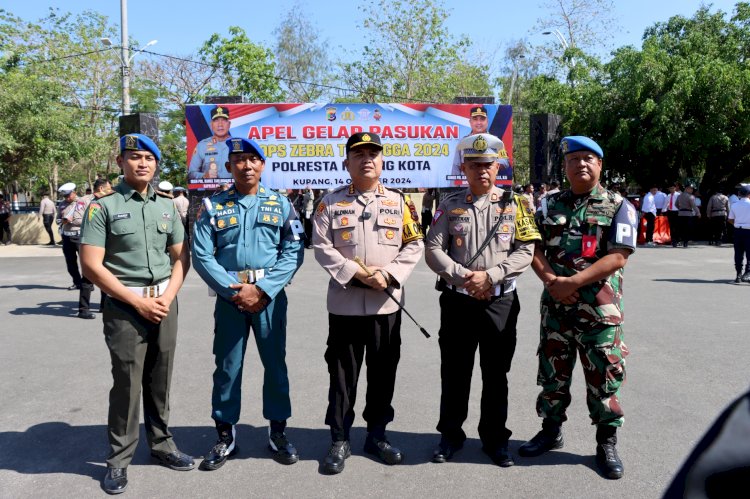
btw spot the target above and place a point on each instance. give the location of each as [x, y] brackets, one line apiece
[132, 248]
[588, 235]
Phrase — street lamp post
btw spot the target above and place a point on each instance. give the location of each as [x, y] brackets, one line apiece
[125, 60]
[560, 38]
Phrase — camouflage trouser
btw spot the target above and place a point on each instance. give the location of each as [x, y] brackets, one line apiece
[602, 353]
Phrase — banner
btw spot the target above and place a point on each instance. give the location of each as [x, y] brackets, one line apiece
[304, 144]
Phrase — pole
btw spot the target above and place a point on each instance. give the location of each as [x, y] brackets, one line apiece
[359, 262]
[125, 57]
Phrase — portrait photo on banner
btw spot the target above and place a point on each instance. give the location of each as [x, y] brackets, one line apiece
[304, 144]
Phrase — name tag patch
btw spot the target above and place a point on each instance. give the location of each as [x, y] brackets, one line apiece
[121, 216]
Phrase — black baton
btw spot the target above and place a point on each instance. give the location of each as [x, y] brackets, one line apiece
[364, 267]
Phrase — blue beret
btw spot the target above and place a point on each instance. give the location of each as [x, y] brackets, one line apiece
[575, 143]
[240, 145]
[139, 142]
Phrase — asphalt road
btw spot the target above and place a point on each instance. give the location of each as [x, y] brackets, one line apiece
[686, 327]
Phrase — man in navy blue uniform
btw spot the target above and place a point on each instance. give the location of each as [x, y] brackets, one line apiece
[247, 246]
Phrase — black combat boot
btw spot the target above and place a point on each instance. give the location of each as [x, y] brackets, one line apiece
[607, 460]
[549, 438]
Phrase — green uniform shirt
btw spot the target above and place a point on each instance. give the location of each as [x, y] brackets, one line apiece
[578, 231]
[135, 233]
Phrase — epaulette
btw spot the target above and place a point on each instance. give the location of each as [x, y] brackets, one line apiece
[99, 195]
[452, 195]
[165, 194]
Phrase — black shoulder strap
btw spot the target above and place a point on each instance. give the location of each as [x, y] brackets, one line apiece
[506, 197]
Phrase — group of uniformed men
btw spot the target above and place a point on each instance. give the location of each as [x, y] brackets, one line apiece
[248, 243]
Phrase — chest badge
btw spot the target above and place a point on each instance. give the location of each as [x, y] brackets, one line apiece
[221, 223]
[389, 234]
[344, 221]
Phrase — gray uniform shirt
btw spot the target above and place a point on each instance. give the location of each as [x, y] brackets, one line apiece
[460, 226]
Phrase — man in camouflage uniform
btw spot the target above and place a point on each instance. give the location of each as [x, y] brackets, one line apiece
[587, 237]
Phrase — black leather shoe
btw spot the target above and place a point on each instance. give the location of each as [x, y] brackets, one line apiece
[115, 481]
[609, 462]
[283, 450]
[337, 454]
[445, 451]
[86, 315]
[738, 279]
[501, 456]
[384, 450]
[224, 448]
[746, 277]
[74, 286]
[176, 460]
[542, 442]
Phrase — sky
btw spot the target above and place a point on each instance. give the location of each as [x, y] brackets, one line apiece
[182, 26]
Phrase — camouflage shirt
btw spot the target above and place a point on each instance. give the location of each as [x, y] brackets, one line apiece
[578, 231]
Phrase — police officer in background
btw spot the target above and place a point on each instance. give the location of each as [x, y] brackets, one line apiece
[587, 236]
[211, 154]
[739, 218]
[71, 234]
[478, 122]
[247, 245]
[47, 214]
[367, 237]
[688, 213]
[131, 247]
[481, 240]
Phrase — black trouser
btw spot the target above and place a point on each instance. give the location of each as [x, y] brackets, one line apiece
[5, 227]
[142, 355]
[70, 250]
[465, 324]
[47, 221]
[348, 338]
[717, 225]
[426, 221]
[674, 230]
[307, 223]
[741, 249]
[686, 224]
[650, 223]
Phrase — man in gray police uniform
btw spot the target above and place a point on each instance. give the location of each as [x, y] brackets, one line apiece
[212, 153]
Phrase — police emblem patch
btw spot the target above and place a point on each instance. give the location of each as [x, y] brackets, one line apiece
[346, 235]
[221, 223]
[366, 138]
[344, 221]
[131, 142]
[230, 204]
[480, 144]
[233, 220]
[459, 242]
[389, 234]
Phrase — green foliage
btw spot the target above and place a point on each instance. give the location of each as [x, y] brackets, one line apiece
[302, 58]
[412, 56]
[675, 109]
[247, 69]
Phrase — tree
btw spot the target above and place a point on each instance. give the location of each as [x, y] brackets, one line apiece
[585, 24]
[302, 58]
[412, 56]
[678, 108]
[246, 68]
[58, 65]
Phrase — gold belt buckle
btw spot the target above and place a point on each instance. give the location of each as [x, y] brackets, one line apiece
[244, 276]
[150, 292]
